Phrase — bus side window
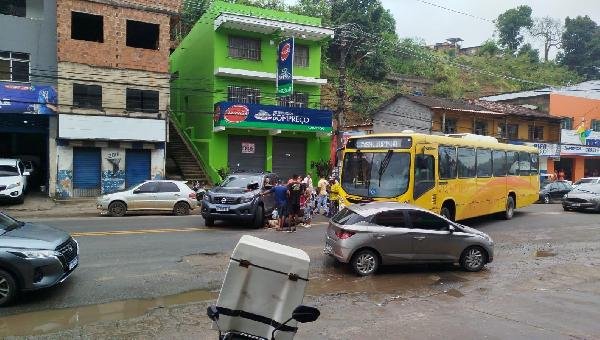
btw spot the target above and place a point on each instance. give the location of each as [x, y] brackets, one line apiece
[513, 163]
[499, 162]
[447, 160]
[524, 164]
[466, 163]
[424, 174]
[534, 164]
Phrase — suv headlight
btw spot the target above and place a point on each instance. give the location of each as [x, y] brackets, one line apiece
[14, 185]
[36, 254]
[247, 199]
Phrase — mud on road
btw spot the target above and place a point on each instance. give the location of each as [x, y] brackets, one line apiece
[543, 283]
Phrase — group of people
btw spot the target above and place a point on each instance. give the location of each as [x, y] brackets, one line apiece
[297, 200]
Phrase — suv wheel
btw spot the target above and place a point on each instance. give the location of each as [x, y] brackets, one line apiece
[546, 199]
[365, 262]
[8, 288]
[181, 209]
[259, 217]
[209, 222]
[117, 209]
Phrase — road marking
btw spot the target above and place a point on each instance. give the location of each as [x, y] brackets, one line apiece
[137, 231]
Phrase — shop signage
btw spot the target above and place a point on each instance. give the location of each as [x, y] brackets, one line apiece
[23, 98]
[258, 116]
[546, 149]
[285, 67]
[248, 147]
[582, 142]
[580, 150]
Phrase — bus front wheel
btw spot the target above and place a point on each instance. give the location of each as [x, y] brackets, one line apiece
[510, 208]
[446, 211]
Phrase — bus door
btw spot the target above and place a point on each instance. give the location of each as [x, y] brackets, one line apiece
[424, 177]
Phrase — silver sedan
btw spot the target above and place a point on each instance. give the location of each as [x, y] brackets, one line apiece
[373, 234]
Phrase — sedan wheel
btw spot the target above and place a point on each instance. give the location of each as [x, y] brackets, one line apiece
[181, 209]
[117, 209]
[365, 262]
[8, 288]
[473, 259]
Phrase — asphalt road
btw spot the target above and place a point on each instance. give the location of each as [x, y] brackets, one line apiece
[544, 277]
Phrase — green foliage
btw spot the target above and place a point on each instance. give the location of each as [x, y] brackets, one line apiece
[314, 8]
[223, 172]
[322, 168]
[581, 45]
[490, 48]
[529, 52]
[510, 24]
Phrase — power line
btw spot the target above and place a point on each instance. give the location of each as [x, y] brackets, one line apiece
[457, 11]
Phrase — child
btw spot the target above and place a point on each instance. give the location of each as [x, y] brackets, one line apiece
[306, 203]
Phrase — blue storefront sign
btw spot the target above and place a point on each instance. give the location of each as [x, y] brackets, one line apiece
[229, 114]
[22, 98]
[285, 67]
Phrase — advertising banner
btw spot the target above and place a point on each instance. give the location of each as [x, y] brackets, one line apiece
[285, 67]
[546, 149]
[582, 142]
[23, 98]
[258, 116]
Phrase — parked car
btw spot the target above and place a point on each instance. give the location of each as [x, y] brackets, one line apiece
[239, 198]
[383, 233]
[33, 256]
[156, 195]
[587, 180]
[583, 197]
[554, 190]
[13, 180]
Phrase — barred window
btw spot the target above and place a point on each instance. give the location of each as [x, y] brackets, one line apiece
[301, 55]
[450, 126]
[509, 131]
[244, 95]
[595, 125]
[480, 128]
[142, 100]
[295, 100]
[87, 96]
[14, 66]
[244, 48]
[566, 123]
[536, 133]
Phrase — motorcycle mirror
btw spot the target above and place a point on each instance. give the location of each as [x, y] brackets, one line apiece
[305, 314]
[212, 312]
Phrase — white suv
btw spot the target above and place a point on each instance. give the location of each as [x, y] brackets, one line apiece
[588, 180]
[13, 180]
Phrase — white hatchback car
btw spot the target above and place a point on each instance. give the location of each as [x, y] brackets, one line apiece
[13, 180]
[159, 195]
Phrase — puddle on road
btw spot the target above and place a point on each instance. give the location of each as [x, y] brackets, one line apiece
[545, 253]
[46, 321]
[454, 292]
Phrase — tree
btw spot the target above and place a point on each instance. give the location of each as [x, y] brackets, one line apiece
[489, 47]
[530, 53]
[510, 25]
[314, 8]
[549, 30]
[581, 46]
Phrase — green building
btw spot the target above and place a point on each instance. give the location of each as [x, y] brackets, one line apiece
[223, 93]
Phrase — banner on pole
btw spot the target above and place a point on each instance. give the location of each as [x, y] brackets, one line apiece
[285, 67]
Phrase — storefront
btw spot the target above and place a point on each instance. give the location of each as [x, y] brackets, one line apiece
[579, 154]
[256, 137]
[548, 153]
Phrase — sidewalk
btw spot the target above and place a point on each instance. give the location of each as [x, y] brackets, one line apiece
[39, 205]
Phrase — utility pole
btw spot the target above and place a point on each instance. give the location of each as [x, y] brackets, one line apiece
[339, 113]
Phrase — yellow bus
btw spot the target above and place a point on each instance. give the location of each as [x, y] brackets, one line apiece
[459, 176]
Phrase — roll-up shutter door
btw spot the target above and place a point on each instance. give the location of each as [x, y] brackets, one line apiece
[86, 172]
[137, 166]
[247, 153]
[289, 157]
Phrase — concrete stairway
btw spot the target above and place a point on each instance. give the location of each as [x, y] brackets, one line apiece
[189, 166]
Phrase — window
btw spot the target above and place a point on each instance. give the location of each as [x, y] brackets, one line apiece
[142, 100]
[425, 220]
[301, 55]
[480, 128]
[512, 160]
[524, 164]
[244, 48]
[87, 96]
[424, 174]
[535, 163]
[595, 126]
[394, 219]
[536, 133]
[566, 123]
[243, 95]
[447, 159]
[499, 162]
[347, 216]
[13, 7]
[167, 187]
[509, 131]
[295, 100]
[484, 163]
[466, 163]
[148, 187]
[14, 66]
[142, 35]
[87, 27]
[450, 126]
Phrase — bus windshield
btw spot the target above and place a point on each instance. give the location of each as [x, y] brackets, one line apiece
[376, 174]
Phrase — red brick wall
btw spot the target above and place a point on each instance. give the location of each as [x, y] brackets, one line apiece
[113, 52]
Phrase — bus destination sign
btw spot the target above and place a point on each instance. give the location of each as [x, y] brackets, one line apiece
[380, 143]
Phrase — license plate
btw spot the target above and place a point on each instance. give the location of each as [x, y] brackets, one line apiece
[328, 249]
[575, 204]
[222, 208]
[73, 263]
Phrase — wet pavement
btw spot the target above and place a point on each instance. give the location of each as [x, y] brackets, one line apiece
[543, 284]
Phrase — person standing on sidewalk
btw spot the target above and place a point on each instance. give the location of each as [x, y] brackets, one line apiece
[306, 203]
[334, 197]
[295, 188]
[322, 198]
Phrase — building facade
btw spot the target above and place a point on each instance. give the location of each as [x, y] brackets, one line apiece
[224, 97]
[113, 86]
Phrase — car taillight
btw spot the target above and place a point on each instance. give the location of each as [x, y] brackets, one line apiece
[344, 234]
[192, 195]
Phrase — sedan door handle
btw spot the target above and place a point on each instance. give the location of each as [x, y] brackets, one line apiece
[420, 238]
[177, 195]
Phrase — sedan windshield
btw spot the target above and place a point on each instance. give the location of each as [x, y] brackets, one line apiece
[8, 171]
[240, 181]
[376, 174]
[588, 189]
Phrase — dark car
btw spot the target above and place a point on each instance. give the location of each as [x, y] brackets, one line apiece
[583, 197]
[33, 256]
[239, 198]
[554, 190]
